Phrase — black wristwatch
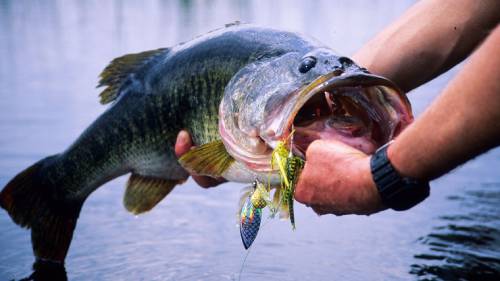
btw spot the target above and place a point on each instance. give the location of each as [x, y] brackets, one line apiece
[397, 192]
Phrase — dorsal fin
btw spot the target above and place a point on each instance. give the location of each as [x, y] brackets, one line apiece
[116, 73]
[143, 193]
[210, 159]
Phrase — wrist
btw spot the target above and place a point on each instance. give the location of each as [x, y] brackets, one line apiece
[407, 165]
[397, 191]
[367, 193]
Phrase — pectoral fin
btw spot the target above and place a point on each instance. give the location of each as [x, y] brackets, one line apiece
[143, 193]
[209, 159]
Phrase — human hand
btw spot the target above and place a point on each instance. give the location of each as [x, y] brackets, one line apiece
[183, 144]
[337, 179]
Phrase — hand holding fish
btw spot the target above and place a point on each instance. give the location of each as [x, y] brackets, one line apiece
[183, 144]
[336, 179]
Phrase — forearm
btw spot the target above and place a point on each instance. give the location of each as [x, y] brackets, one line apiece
[428, 39]
[463, 122]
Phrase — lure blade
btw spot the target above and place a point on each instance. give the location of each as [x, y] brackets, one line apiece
[250, 218]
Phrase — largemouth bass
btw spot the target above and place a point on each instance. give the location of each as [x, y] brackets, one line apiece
[237, 90]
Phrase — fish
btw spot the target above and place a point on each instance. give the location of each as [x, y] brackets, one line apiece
[238, 90]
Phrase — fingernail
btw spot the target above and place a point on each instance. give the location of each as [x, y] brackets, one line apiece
[182, 137]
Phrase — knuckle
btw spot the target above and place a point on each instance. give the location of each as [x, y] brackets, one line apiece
[339, 213]
[205, 182]
[316, 150]
[183, 143]
[302, 196]
[320, 210]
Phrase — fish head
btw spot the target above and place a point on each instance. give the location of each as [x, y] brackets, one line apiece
[314, 95]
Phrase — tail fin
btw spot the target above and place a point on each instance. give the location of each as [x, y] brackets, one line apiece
[31, 202]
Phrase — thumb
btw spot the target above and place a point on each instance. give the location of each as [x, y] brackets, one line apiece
[333, 146]
[183, 143]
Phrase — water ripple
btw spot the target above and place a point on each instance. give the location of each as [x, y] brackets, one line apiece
[466, 245]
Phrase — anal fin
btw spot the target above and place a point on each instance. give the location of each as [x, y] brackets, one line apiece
[143, 192]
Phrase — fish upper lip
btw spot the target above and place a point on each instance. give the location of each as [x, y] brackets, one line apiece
[330, 80]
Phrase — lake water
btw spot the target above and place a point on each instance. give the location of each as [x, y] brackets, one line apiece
[50, 55]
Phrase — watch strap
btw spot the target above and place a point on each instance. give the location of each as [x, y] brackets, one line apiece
[397, 192]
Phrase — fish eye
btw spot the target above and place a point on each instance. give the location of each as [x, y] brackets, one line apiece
[306, 64]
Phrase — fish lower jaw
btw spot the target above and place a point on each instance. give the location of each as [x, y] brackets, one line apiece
[254, 162]
[239, 172]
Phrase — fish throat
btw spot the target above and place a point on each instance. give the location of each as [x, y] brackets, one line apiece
[361, 116]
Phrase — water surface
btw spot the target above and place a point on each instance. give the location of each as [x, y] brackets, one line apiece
[50, 55]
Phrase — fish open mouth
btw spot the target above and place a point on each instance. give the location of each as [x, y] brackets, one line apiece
[359, 109]
[362, 110]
